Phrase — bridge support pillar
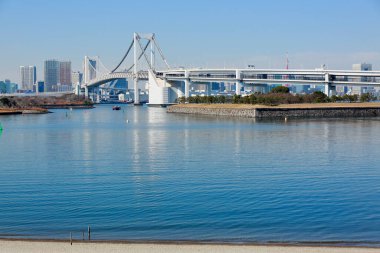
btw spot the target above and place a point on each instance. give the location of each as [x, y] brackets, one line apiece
[187, 88]
[137, 92]
[208, 89]
[329, 90]
[180, 91]
[86, 91]
[77, 89]
[239, 83]
[187, 84]
[135, 70]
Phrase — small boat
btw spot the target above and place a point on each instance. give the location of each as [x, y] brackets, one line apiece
[116, 108]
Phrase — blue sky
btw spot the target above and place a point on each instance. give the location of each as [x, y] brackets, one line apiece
[202, 33]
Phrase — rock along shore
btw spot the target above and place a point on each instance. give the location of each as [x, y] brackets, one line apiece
[41, 104]
[326, 110]
[23, 111]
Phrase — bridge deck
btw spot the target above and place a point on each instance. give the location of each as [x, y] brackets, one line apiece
[256, 76]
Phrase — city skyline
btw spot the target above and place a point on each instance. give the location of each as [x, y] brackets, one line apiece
[197, 34]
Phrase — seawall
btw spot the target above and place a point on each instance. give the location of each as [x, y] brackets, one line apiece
[333, 110]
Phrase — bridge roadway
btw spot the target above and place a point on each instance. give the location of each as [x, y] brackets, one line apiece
[170, 78]
[255, 76]
[273, 76]
[142, 75]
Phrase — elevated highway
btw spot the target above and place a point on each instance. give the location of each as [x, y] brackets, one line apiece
[167, 85]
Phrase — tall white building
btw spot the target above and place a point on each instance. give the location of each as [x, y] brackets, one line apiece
[76, 78]
[28, 77]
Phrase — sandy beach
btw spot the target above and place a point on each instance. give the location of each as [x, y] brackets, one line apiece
[13, 246]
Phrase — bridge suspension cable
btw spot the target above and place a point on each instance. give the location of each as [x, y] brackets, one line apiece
[145, 48]
[102, 65]
[136, 43]
[125, 56]
[161, 53]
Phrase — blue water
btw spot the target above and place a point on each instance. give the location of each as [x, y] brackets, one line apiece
[143, 174]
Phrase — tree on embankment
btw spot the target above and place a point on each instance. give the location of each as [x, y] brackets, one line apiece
[280, 89]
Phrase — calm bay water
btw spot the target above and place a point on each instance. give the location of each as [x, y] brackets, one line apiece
[143, 174]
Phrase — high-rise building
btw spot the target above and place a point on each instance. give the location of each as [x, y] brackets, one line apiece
[28, 77]
[65, 73]
[40, 86]
[8, 87]
[12, 87]
[3, 87]
[360, 67]
[76, 77]
[52, 75]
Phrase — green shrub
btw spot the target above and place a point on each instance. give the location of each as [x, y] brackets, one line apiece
[367, 97]
[280, 89]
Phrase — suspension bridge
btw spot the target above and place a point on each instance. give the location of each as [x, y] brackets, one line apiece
[166, 84]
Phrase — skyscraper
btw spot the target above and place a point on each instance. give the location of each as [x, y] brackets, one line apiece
[65, 73]
[360, 67]
[76, 77]
[52, 75]
[28, 77]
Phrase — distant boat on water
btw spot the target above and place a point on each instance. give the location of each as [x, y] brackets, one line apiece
[116, 108]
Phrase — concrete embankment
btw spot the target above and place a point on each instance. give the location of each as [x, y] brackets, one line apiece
[330, 110]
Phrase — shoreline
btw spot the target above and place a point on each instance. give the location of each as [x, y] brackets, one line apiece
[322, 110]
[22, 245]
[38, 105]
[23, 111]
[42, 109]
[330, 244]
[73, 106]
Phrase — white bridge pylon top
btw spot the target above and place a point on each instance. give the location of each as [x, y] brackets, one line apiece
[144, 60]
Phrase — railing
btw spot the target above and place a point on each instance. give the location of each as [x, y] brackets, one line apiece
[284, 77]
[213, 75]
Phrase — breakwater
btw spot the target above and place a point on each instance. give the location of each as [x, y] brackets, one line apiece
[283, 111]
